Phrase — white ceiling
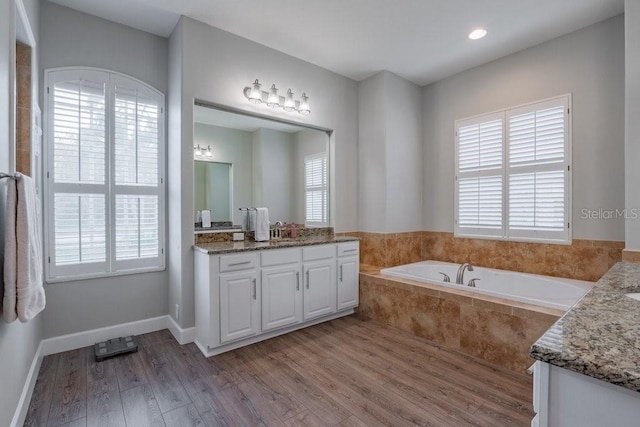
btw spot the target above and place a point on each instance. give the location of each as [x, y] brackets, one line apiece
[421, 40]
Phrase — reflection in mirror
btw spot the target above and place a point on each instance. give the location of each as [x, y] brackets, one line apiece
[277, 165]
[213, 183]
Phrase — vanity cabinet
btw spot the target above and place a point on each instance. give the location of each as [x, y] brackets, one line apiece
[348, 275]
[250, 296]
[239, 307]
[281, 289]
[320, 280]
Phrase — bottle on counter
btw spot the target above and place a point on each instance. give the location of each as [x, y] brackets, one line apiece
[293, 231]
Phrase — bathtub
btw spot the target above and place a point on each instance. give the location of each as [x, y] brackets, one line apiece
[545, 291]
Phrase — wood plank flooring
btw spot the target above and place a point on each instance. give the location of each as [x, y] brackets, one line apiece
[348, 372]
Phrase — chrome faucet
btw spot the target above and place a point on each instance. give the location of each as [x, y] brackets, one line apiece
[461, 270]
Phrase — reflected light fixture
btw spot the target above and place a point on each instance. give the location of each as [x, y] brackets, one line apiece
[199, 151]
[256, 95]
[477, 33]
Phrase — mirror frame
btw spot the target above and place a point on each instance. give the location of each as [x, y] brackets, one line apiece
[329, 132]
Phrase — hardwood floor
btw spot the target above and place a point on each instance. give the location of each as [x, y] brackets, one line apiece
[348, 372]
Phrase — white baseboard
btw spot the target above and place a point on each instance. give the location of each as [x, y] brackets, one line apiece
[27, 391]
[182, 335]
[90, 337]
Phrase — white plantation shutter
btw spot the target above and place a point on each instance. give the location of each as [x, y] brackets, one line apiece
[538, 171]
[513, 173]
[105, 199]
[315, 172]
[479, 176]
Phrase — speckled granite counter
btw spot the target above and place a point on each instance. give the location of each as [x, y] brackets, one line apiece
[218, 248]
[600, 335]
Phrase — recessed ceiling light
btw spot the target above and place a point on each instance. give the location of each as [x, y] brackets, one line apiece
[478, 33]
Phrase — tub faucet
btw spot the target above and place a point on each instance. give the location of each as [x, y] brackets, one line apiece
[461, 270]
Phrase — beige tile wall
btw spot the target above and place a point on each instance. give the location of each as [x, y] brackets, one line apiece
[23, 109]
[583, 259]
[493, 329]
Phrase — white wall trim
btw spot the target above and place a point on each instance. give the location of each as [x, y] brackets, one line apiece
[90, 337]
[86, 338]
[27, 391]
[182, 335]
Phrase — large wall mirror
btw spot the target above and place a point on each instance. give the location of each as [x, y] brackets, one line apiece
[243, 161]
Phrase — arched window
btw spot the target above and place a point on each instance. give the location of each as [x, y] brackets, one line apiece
[104, 174]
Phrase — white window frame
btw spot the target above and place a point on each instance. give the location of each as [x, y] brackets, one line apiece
[324, 188]
[110, 267]
[536, 236]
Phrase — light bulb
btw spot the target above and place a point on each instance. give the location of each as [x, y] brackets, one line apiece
[198, 151]
[208, 153]
[289, 103]
[273, 100]
[304, 105]
[477, 34]
[255, 95]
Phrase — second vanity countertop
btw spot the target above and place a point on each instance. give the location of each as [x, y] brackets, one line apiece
[600, 335]
[217, 248]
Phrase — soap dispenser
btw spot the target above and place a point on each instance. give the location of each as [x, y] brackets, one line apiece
[293, 231]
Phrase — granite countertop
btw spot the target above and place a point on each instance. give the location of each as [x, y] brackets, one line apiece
[600, 335]
[217, 248]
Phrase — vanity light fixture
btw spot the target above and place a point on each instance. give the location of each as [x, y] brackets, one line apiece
[289, 102]
[304, 105]
[273, 100]
[256, 95]
[202, 152]
[477, 33]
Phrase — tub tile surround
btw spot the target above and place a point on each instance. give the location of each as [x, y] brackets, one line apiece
[631, 256]
[582, 260]
[496, 330]
[599, 336]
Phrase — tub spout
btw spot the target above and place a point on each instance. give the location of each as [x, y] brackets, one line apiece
[445, 277]
[460, 276]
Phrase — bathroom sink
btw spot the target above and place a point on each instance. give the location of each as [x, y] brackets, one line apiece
[635, 296]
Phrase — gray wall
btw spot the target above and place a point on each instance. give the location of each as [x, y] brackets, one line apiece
[230, 146]
[71, 38]
[274, 181]
[390, 154]
[18, 341]
[212, 65]
[589, 64]
[632, 122]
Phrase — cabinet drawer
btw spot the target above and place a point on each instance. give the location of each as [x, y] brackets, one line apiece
[280, 256]
[348, 248]
[311, 253]
[238, 262]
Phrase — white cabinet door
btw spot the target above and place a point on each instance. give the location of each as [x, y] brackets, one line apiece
[319, 288]
[281, 296]
[239, 305]
[348, 277]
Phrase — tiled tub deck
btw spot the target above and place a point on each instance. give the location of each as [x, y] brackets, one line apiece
[497, 330]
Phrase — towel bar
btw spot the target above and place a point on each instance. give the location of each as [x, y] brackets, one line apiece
[15, 176]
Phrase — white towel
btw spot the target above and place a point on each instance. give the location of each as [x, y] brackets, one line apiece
[206, 218]
[262, 225]
[24, 295]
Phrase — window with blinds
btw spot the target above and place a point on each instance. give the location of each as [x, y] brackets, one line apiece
[315, 174]
[105, 197]
[513, 173]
